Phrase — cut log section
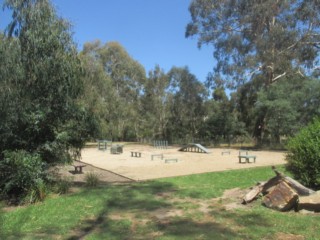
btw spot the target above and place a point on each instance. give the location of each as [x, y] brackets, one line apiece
[283, 193]
[282, 198]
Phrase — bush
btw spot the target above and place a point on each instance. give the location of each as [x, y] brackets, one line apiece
[304, 155]
[20, 174]
[63, 185]
[92, 179]
[38, 192]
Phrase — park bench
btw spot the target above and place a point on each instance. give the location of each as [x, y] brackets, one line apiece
[78, 168]
[246, 157]
[226, 151]
[156, 155]
[171, 160]
[135, 154]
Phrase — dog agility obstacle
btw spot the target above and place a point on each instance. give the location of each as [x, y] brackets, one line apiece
[161, 144]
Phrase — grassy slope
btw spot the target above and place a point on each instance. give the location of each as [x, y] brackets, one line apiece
[132, 212]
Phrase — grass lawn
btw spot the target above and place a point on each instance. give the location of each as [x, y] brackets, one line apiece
[171, 208]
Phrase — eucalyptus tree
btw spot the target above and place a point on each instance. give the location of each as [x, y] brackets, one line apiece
[128, 77]
[10, 108]
[256, 44]
[43, 122]
[99, 93]
[121, 86]
[268, 38]
[187, 110]
[156, 102]
[286, 113]
[48, 83]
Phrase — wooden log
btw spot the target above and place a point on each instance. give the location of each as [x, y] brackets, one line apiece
[252, 194]
[291, 189]
[298, 187]
[282, 198]
[271, 184]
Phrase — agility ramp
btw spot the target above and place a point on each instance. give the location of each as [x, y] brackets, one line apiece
[194, 147]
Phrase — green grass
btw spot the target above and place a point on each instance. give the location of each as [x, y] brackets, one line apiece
[163, 209]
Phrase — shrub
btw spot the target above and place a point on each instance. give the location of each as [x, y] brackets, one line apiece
[37, 193]
[63, 185]
[304, 155]
[20, 173]
[92, 179]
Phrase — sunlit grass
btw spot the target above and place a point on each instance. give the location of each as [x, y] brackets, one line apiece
[164, 209]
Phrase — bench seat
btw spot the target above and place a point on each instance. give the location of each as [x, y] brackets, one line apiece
[78, 168]
[247, 158]
[171, 160]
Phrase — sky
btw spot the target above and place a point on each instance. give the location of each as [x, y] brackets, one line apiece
[151, 31]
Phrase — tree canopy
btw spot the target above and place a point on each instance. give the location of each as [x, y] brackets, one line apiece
[269, 38]
[42, 120]
[54, 98]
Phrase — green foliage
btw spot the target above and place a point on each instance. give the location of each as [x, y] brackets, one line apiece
[253, 38]
[304, 155]
[45, 86]
[156, 102]
[62, 185]
[41, 85]
[162, 209]
[37, 193]
[92, 179]
[21, 173]
[187, 108]
[114, 84]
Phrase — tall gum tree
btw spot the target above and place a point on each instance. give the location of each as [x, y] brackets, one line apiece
[256, 44]
[156, 103]
[258, 37]
[122, 86]
[48, 83]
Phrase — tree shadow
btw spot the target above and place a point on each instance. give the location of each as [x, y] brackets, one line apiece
[190, 229]
[126, 206]
[134, 198]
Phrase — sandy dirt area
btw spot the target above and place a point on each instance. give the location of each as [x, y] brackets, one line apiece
[144, 168]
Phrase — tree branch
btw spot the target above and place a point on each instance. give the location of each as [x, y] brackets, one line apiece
[279, 76]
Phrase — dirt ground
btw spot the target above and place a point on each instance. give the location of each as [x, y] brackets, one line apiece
[123, 167]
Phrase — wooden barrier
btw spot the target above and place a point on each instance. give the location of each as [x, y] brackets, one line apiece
[171, 160]
[156, 155]
[135, 154]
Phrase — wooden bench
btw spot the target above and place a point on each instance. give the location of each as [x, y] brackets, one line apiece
[247, 158]
[243, 152]
[156, 155]
[226, 151]
[135, 154]
[171, 160]
[78, 168]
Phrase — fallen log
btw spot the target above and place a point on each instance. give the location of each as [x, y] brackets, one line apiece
[283, 193]
[298, 187]
[281, 198]
[253, 193]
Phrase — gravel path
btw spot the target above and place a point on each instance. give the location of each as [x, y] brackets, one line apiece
[124, 168]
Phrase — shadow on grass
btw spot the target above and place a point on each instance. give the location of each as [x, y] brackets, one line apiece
[189, 229]
[17, 231]
[127, 212]
[133, 198]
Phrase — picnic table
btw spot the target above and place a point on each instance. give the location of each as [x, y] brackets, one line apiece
[78, 168]
[246, 156]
